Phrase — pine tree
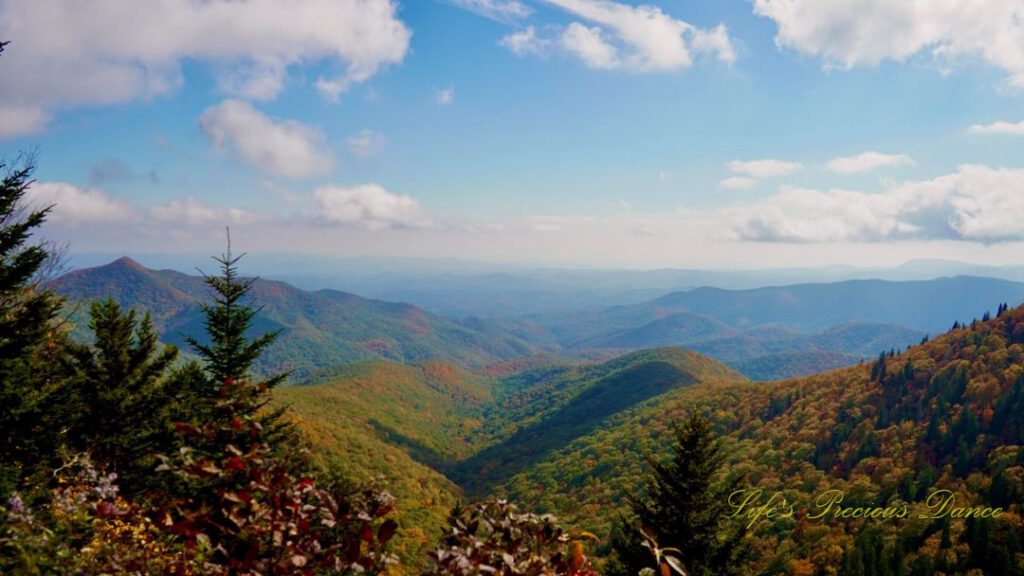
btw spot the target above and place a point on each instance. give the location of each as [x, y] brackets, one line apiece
[28, 427]
[122, 414]
[682, 508]
[228, 354]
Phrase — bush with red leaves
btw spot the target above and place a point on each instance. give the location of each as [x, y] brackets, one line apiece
[493, 538]
[244, 512]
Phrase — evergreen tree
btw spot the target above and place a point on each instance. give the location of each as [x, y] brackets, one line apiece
[121, 416]
[228, 354]
[683, 508]
[28, 427]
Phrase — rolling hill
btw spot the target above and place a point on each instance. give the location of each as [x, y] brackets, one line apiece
[318, 329]
[929, 305]
[945, 415]
[569, 438]
[440, 433]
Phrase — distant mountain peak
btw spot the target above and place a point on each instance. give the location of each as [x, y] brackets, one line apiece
[126, 262]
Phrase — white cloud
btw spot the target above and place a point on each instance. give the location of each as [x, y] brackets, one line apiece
[867, 161]
[525, 42]
[67, 53]
[977, 203]
[507, 11]
[589, 46]
[768, 168]
[72, 204]
[998, 128]
[191, 212]
[21, 120]
[444, 96]
[557, 223]
[737, 183]
[866, 32]
[367, 143]
[256, 81]
[643, 38]
[278, 147]
[368, 205]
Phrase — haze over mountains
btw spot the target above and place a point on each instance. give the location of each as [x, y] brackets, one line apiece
[766, 333]
[460, 288]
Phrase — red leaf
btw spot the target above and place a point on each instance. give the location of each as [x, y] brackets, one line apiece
[187, 429]
[386, 531]
[367, 533]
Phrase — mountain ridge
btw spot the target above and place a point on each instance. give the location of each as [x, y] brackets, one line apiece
[318, 328]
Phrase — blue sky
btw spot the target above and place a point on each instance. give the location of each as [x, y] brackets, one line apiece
[591, 132]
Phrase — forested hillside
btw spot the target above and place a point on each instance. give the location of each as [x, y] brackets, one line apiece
[946, 415]
[326, 327]
[441, 433]
[318, 329]
[569, 437]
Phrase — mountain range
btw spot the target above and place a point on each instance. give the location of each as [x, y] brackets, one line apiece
[571, 439]
[317, 329]
[560, 413]
[766, 333]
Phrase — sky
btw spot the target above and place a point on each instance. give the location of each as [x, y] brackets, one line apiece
[599, 133]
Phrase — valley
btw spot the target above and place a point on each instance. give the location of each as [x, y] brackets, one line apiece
[558, 413]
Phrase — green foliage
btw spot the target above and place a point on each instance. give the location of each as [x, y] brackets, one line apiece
[82, 526]
[792, 364]
[25, 311]
[121, 414]
[230, 354]
[241, 510]
[317, 329]
[682, 507]
[28, 435]
[565, 405]
[382, 418]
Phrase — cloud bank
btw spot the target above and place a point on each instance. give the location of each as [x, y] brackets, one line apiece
[68, 53]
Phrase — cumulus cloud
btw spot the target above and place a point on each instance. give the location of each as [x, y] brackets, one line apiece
[866, 32]
[367, 143]
[589, 45]
[768, 168]
[278, 147]
[737, 183]
[506, 11]
[66, 53]
[977, 203]
[998, 128]
[525, 42]
[368, 205]
[192, 212]
[444, 96]
[612, 35]
[867, 161]
[20, 120]
[73, 205]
